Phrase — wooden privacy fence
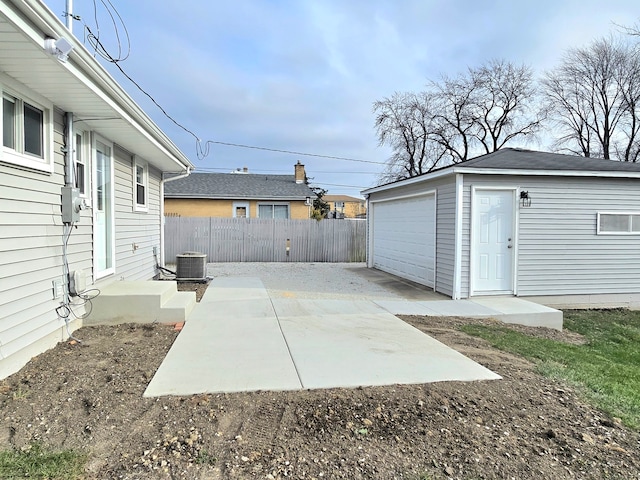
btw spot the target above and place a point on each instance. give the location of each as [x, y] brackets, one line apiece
[266, 240]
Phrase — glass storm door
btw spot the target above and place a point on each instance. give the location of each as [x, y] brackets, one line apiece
[103, 208]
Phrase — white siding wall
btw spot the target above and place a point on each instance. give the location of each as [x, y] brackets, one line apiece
[31, 258]
[559, 251]
[141, 228]
[31, 234]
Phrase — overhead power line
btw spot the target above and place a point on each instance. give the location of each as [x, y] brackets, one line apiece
[202, 149]
[294, 153]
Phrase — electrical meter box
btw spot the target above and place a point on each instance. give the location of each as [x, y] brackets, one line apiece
[71, 205]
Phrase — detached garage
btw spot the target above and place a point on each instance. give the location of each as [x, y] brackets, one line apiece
[558, 229]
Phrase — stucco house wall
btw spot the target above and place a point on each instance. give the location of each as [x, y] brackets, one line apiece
[199, 207]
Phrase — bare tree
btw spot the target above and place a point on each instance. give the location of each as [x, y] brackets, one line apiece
[480, 111]
[404, 122]
[504, 104]
[594, 97]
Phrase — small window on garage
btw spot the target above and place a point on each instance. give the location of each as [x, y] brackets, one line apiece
[614, 223]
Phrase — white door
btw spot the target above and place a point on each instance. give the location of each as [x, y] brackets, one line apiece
[493, 241]
[404, 238]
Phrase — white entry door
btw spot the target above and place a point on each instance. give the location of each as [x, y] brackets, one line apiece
[493, 242]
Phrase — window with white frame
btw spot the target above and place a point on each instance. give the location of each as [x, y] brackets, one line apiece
[240, 210]
[141, 185]
[618, 223]
[81, 161]
[273, 210]
[27, 128]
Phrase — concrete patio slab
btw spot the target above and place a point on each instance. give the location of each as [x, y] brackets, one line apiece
[371, 347]
[238, 340]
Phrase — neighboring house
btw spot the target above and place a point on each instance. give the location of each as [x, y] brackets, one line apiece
[240, 195]
[346, 206]
[68, 124]
[558, 229]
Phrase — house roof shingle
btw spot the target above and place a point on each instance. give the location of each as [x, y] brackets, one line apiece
[237, 186]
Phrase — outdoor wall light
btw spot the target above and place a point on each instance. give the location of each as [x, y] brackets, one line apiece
[525, 199]
[60, 48]
[307, 201]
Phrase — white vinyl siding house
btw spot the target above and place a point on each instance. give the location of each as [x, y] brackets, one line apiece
[38, 159]
[572, 243]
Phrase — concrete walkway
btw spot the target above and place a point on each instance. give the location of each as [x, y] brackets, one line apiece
[238, 338]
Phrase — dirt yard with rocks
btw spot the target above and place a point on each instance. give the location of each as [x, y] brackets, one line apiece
[88, 396]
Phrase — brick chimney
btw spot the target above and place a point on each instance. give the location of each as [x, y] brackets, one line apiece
[299, 170]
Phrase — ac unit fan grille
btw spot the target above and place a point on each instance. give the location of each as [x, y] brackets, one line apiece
[191, 266]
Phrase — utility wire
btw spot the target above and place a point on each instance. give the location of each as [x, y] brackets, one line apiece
[294, 153]
[202, 150]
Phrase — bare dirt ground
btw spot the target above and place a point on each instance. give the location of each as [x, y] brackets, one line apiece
[89, 396]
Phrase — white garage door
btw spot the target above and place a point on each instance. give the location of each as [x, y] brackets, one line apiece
[404, 238]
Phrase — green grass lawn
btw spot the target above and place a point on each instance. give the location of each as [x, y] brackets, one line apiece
[606, 369]
[41, 463]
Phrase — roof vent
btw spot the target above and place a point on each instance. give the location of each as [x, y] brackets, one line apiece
[191, 266]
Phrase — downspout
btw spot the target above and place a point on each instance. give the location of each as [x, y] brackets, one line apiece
[69, 172]
[162, 182]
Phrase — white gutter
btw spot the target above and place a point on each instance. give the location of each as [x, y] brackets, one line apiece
[162, 182]
[499, 171]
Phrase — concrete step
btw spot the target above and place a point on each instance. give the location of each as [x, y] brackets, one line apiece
[505, 309]
[522, 312]
[141, 302]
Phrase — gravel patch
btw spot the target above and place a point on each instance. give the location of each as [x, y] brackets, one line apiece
[338, 281]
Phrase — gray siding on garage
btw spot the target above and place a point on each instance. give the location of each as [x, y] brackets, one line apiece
[445, 237]
[559, 252]
[140, 228]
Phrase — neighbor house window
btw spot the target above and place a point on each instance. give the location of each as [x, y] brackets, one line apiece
[141, 183]
[273, 210]
[240, 210]
[616, 223]
[26, 129]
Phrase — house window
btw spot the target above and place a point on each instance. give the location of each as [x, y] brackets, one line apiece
[339, 206]
[618, 223]
[81, 158]
[26, 129]
[275, 210]
[240, 210]
[140, 187]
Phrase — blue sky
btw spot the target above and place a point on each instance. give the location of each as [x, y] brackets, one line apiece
[302, 75]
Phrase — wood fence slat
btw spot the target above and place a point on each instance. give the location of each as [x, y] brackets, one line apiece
[265, 240]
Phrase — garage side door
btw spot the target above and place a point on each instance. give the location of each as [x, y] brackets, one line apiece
[404, 238]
